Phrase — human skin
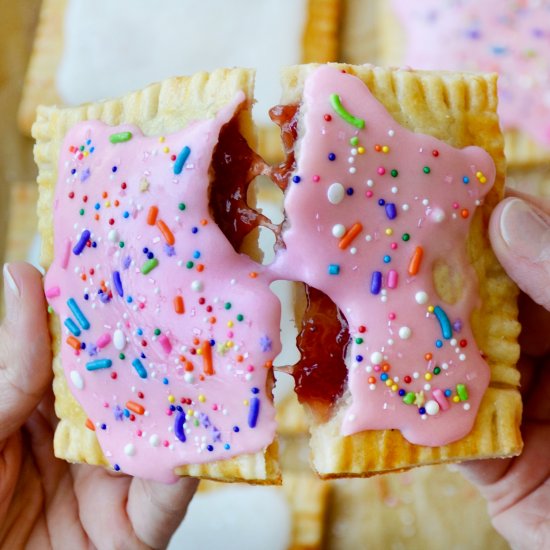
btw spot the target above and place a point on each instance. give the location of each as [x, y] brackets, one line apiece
[46, 502]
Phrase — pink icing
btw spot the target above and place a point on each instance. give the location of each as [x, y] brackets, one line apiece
[398, 192]
[141, 414]
[504, 36]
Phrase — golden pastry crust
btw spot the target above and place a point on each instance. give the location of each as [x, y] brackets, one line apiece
[520, 149]
[459, 109]
[158, 109]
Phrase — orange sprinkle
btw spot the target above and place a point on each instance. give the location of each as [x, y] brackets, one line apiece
[196, 341]
[135, 407]
[201, 377]
[204, 221]
[351, 233]
[189, 366]
[372, 380]
[179, 306]
[207, 366]
[385, 367]
[90, 425]
[464, 213]
[73, 342]
[200, 268]
[428, 356]
[253, 274]
[240, 358]
[104, 194]
[416, 259]
[166, 233]
[117, 203]
[268, 364]
[212, 320]
[152, 215]
[96, 217]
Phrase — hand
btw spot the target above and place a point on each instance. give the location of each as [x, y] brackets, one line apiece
[518, 489]
[46, 502]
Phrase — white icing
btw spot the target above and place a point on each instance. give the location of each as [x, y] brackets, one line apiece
[112, 48]
[236, 518]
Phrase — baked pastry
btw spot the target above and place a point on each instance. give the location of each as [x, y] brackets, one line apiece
[70, 31]
[504, 37]
[157, 309]
[386, 222]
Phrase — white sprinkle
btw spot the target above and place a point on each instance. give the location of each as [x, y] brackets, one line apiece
[338, 230]
[197, 286]
[154, 440]
[353, 250]
[427, 387]
[453, 342]
[376, 358]
[368, 238]
[113, 235]
[336, 193]
[394, 190]
[425, 202]
[405, 333]
[405, 207]
[129, 449]
[77, 380]
[421, 297]
[438, 215]
[351, 418]
[188, 377]
[370, 183]
[352, 170]
[119, 340]
[462, 357]
[466, 406]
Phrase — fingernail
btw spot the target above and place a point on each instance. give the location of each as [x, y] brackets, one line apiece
[525, 230]
[10, 281]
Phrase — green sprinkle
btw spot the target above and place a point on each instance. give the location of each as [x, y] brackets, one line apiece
[426, 169]
[409, 398]
[462, 392]
[181, 206]
[354, 141]
[227, 305]
[394, 173]
[149, 265]
[336, 104]
[240, 317]
[196, 423]
[157, 331]
[121, 244]
[437, 370]
[121, 137]
[81, 148]
[189, 264]
[81, 211]
[121, 356]
[50, 310]
[359, 340]
[406, 237]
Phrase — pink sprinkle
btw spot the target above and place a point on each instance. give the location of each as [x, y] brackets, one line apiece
[166, 443]
[392, 316]
[316, 178]
[142, 305]
[439, 396]
[455, 205]
[103, 340]
[53, 292]
[66, 254]
[105, 405]
[139, 433]
[369, 194]
[393, 246]
[250, 368]
[230, 334]
[165, 343]
[377, 368]
[392, 278]
[214, 407]
[168, 412]
[381, 170]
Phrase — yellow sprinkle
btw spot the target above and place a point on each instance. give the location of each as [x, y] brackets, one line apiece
[246, 403]
[389, 232]
[190, 413]
[202, 398]
[385, 149]
[428, 376]
[360, 150]
[431, 309]
[230, 324]
[172, 399]
[86, 153]
[107, 204]
[456, 399]
[162, 139]
[483, 179]
[229, 343]
[166, 149]
[394, 387]
[199, 351]
[389, 382]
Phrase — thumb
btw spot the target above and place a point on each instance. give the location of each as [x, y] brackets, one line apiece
[520, 235]
[25, 355]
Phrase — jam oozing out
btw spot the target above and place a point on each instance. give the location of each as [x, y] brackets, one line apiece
[320, 375]
[286, 117]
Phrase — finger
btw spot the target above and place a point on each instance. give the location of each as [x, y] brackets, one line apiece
[156, 509]
[25, 355]
[520, 235]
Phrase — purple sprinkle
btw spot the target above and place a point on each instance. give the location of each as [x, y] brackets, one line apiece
[79, 246]
[118, 283]
[265, 343]
[216, 435]
[253, 412]
[178, 427]
[391, 211]
[376, 282]
[85, 174]
[457, 325]
[118, 413]
[92, 350]
[204, 420]
[104, 298]
[169, 250]
[126, 263]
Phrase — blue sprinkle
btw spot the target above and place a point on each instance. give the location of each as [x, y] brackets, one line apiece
[80, 245]
[179, 408]
[333, 269]
[194, 230]
[384, 376]
[421, 410]
[172, 408]
[376, 282]
[227, 446]
[80, 317]
[126, 214]
[129, 299]
[349, 191]
[178, 427]
[253, 412]
[165, 381]
[71, 325]
[73, 171]
[127, 262]
[114, 168]
[85, 174]
[236, 429]
[92, 149]
[359, 358]
[150, 256]
[196, 254]
[448, 393]
[331, 156]
[94, 245]
[139, 332]
[391, 210]
[296, 179]
[88, 141]
[97, 206]
[212, 342]
[138, 365]
[255, 390]
[210, 448]
[181, 159]
[444, 323]
[99, 364]
[387, 259]
[401, 392]
[118, 283]
[466, 180]
[116, 468]
[438, 344]
[145, 250]
[86, 296]
[381, 202]
[103, 426]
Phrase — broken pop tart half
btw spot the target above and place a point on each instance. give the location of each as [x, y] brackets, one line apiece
[165, 331]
